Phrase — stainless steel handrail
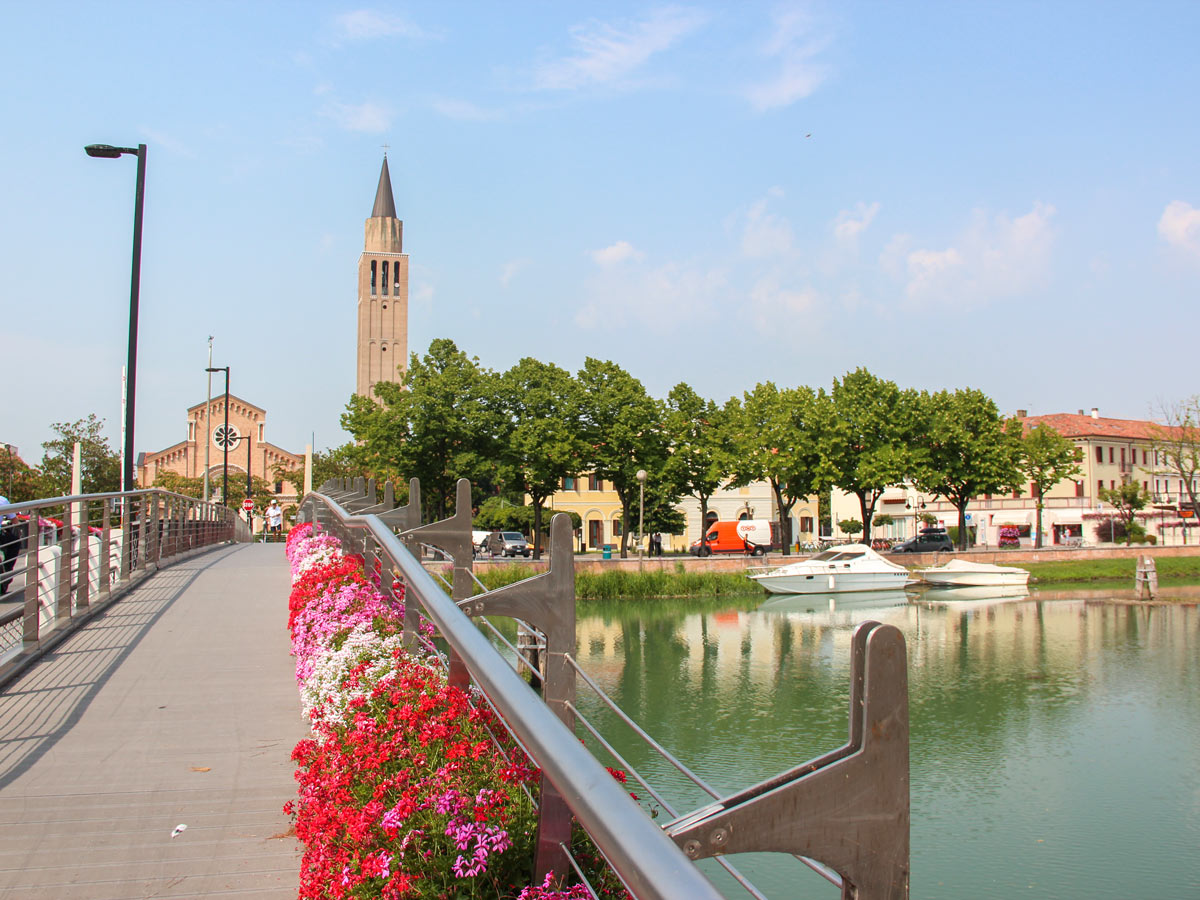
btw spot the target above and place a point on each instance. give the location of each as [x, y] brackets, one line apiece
[649, 863]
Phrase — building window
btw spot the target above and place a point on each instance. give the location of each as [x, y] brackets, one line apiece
[595, 483]
[261, 426]
[1099, 450]
[385, 278]
[1078, 454]
[372, 278]
[1112, 484]
[191, 429]
[1122, 457]
[1016, 495]
[616, 528]
[396, 279]
[1033, 489]
[568, 483]
[806, 524]
[1110, 454]
[1099, 485]
[1146, 486]
[279, 487]
[1079, 489]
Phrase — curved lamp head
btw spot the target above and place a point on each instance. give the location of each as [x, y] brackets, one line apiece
[107, 151]
[641, 475]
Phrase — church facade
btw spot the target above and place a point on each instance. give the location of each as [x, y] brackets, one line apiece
[245, 439]
[382, 294]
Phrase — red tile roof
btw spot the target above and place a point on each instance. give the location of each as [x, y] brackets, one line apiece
[1076, 426]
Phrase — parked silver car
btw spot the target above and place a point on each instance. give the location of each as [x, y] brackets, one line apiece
[508, 543]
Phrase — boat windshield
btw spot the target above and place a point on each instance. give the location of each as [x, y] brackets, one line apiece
[828, 554]
[846, 557]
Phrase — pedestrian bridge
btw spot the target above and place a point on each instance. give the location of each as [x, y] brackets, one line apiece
[145, 744]
[175, 706]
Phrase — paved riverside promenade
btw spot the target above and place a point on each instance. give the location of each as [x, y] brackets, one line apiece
[177, 705]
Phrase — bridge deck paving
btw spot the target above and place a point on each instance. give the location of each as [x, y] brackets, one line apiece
[177, 705]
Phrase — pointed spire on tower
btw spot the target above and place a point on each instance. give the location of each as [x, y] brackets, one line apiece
[385, 204]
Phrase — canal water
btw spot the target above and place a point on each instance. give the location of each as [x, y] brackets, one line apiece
[1055, 743]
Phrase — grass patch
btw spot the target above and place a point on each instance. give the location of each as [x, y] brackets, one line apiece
[618, 584]
[1108, 570]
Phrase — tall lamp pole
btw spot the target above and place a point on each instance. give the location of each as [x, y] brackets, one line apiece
[224, 438]
[105, 151]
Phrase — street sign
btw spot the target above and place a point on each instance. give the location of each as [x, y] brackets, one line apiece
[247, 504]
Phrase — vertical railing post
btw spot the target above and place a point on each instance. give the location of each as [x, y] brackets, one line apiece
[33, 582]
[102, 588]
[126, 537]
[62, 608]
[143, 533]
[155, 532]
[85, 553]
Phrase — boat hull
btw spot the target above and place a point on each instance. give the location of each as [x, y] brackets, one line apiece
[831, 583]
[974, 579]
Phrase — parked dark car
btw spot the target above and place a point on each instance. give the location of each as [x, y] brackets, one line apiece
[928, 540]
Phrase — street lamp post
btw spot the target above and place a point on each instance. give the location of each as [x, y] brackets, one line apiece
[641, 477]
[224, 441]
[104, 151]
[916, 504]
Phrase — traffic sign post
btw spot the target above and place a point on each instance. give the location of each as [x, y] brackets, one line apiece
[247, 504]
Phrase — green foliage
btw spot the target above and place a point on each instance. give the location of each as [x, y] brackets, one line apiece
[699, 463]
[443, 423]
[965, 450]
[18, 482]
[850, 526]
[346, 461]
[190, 487]
[100, 464]
[499, 514]
[775, 436]
[622, 427]
[867, 425]
[1126, 498]
[883, 519]
[542, 443]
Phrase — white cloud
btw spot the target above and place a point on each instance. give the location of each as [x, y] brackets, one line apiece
[1180, 226]
[792, 49]
[850, 224]
[511, 269]
[607, 54]
[369, 117]
[656, 299]
[993, 257]
[621, 251]
[367, 24]
[775, 305]
[766, 234]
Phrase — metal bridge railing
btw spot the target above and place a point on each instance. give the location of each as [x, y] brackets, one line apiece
[846, 813]
[62, 557]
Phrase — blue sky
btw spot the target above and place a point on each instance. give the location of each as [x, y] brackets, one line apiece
[1002, 196]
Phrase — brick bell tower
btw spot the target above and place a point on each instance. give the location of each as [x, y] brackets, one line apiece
[382, 293]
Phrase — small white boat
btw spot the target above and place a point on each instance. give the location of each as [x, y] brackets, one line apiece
[973, 596]
[960, 573]
[850, 567]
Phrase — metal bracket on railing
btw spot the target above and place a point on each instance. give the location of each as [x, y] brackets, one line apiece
[848, 809]
[453, 535]
[403, 518]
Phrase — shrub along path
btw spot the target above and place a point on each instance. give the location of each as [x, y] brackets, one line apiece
[177, 706]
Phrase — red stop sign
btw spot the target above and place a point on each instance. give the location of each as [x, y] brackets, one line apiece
[247, 504]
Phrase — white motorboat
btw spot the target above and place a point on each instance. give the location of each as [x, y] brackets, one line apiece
[960, 573]
[850, 567]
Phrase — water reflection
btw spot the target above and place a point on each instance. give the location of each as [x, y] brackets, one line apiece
[1043, 733]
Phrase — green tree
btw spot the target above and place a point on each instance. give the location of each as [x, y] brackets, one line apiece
[868, 427]
[18, 481]
[543, 443]
[622, 426]
[1046, 458]
[100, 465]
[1127, 499]
[774, 435]
[965, 450]
[851, 526]
[698, 464]
[181, 484]
[441, 424]
[1176, 445]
